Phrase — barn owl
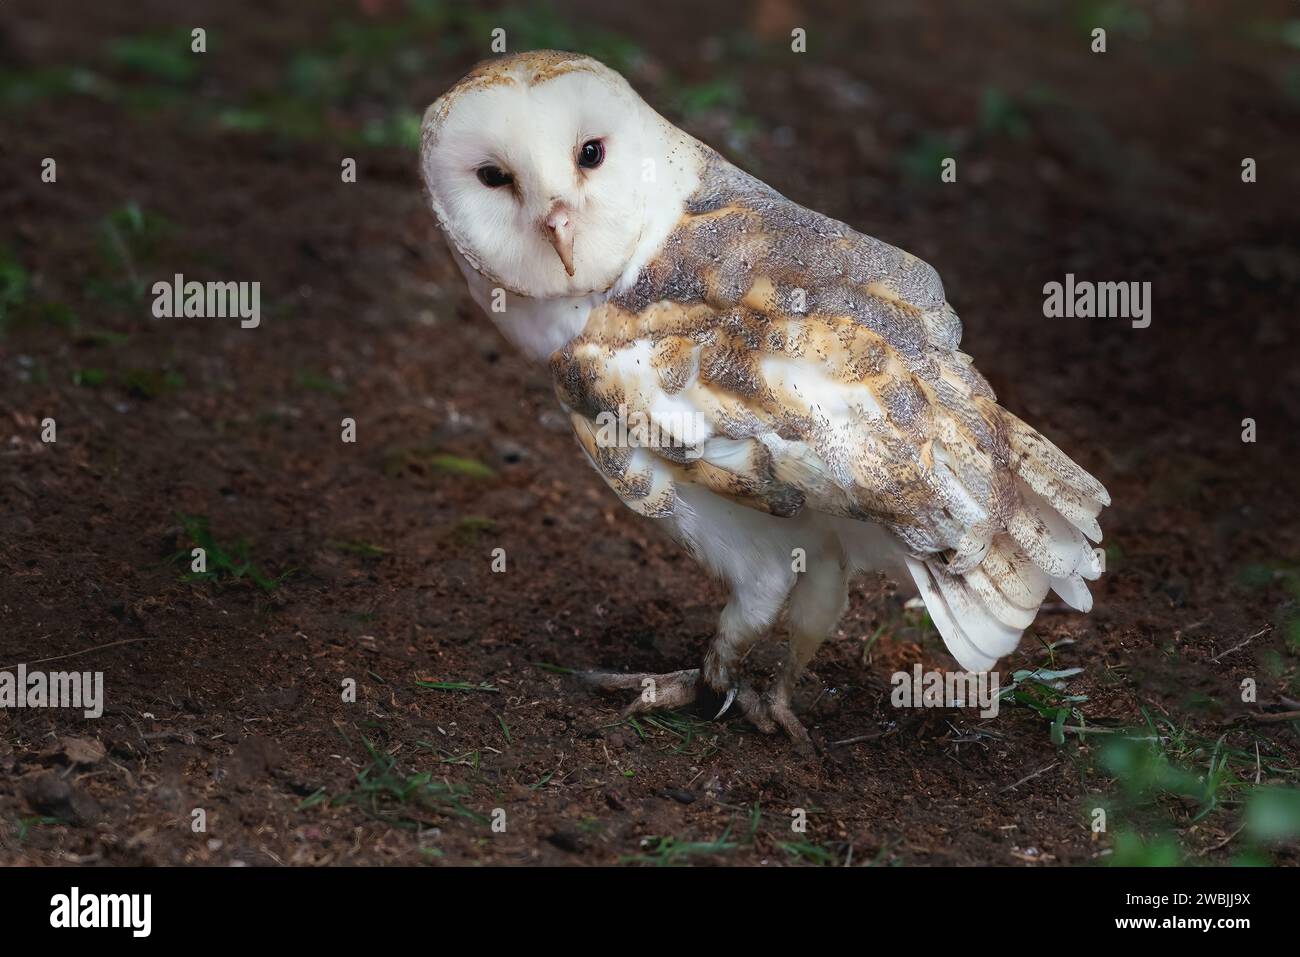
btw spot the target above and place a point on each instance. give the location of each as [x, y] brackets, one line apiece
[791, 402]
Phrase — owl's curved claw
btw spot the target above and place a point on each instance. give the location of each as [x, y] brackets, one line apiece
[731, 696]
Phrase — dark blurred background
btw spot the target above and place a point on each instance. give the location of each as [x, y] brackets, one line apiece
[367, 559]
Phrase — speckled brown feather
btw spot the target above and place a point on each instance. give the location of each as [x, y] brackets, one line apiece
[753, 307]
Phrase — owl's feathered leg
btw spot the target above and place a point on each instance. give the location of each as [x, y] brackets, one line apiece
[749, 614]
[817, 603]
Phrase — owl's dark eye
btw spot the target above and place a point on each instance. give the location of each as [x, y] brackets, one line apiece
[592, 154]
[494, 176]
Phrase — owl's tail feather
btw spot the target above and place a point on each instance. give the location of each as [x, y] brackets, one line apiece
[981, 611]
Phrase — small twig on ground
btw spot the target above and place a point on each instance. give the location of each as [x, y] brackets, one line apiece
[1222, 843]
[1243, 644]
[857, 738]
[73, 654]
[1095, 729]
[1030, 777]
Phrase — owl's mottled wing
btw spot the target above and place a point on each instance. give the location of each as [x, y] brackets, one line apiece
[785, 361]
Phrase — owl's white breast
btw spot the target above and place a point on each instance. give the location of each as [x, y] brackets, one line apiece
[536, 327]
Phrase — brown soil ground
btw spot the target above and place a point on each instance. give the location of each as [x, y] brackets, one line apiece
[226, 696]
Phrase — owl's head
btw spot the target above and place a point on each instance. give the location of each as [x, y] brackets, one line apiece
[534, 165]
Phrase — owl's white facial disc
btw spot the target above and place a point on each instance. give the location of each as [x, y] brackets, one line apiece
[534, 166]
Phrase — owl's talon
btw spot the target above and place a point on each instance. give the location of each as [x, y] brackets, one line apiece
[754, 707]
[731, 696]
[779, 708]
[658, 692]
[676, 689]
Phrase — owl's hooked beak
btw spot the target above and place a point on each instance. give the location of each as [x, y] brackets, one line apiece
[559, 230]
